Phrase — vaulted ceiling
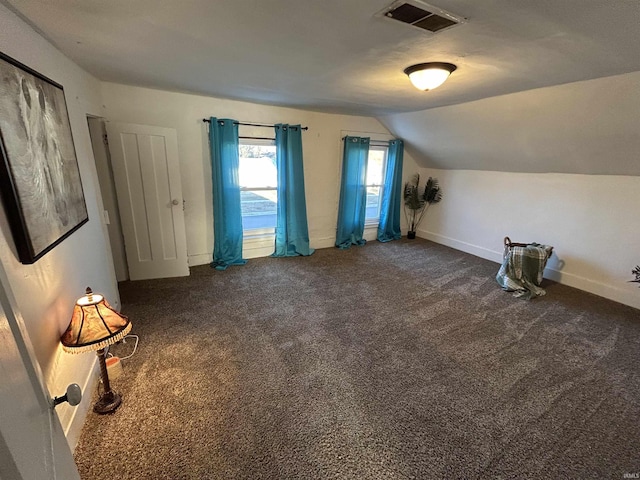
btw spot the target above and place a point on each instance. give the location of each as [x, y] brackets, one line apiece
[345, 56]
[339, 55]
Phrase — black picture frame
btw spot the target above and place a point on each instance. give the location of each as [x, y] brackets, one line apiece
[40, 181]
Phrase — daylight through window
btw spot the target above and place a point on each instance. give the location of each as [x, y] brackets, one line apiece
[375, 178]
[258, 183]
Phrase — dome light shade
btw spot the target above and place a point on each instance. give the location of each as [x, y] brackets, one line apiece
[427, 76]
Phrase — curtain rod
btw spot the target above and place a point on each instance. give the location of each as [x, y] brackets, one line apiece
[257, 138]
[372, 140]
[206, 120]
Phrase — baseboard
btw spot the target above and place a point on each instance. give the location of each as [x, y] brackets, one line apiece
[565, 278]
[462, 246]
[325, 242]
[370, 233]
[80, 412]
[607, 291]
[199, 259]
[252, 247]
[260, 248]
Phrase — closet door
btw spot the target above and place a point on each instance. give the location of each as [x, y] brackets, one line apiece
[147, 177]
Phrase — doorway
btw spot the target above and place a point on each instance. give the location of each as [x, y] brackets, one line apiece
[139, 175]
[99, 144]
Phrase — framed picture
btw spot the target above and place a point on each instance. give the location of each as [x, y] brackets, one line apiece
[39, 175]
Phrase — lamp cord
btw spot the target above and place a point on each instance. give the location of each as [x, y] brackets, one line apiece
[135, 347]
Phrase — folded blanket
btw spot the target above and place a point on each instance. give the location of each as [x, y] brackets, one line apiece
[522, 268]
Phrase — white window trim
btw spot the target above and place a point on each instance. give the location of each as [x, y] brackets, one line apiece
[374, 222]
[257, 234]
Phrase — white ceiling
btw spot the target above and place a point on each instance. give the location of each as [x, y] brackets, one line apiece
[336, 55]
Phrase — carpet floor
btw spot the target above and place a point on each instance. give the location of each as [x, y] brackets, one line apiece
[402, 360]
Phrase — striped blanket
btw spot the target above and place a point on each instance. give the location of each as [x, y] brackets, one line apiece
[522, 268]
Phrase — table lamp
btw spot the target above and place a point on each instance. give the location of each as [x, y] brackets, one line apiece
[94, 326]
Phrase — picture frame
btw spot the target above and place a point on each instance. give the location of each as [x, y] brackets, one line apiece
[40, 181]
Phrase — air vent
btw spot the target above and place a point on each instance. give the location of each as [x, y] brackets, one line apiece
[421, 15]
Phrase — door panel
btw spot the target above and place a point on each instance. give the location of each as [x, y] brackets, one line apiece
[32, 444]
[147, 177]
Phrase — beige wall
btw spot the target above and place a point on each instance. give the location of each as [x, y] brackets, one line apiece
[322, 149]
[46, 291]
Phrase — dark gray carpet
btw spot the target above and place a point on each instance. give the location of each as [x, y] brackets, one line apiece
[389, 361]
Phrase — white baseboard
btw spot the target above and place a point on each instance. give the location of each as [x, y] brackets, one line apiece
[261, 247]
[258, 251]
[565, 278]
[462, 246]
[592, 286]
[325, 242]
[252, 247]
[370, 234]
[199, 259]
[80, 412]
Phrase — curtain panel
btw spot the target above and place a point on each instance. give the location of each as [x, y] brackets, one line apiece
[392, 193]
[292, 232]
[227, 214]
[353, 192]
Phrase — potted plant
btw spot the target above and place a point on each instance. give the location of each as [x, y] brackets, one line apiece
[416, 203]
[636, 272]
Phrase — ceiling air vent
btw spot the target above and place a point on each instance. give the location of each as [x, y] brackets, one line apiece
[421, 15]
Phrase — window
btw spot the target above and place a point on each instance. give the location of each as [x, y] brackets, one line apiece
[258, 181]
[376, 163]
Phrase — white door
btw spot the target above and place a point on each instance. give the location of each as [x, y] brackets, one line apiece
[32, 443]
[147, 177]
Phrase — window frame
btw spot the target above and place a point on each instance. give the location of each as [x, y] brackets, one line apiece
[265, 231]
[371, 221]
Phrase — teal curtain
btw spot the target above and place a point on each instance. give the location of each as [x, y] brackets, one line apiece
[353, 192]
[292, 232]
[227, 215]
[389, 225]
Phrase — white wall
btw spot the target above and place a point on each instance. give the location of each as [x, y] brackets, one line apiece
[46, 291]
[591, 221]
[322, 150]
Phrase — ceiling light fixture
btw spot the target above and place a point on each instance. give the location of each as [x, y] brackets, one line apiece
[427, 76]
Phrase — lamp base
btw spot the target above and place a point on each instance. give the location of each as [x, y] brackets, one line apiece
[108, 403]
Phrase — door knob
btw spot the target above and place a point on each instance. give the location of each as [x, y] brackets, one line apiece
[73, 396]
[175, 201]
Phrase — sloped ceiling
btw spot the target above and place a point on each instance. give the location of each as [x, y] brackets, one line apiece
[588, 127]
[339, 55]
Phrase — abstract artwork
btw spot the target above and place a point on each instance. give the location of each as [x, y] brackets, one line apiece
[39, 175]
